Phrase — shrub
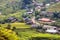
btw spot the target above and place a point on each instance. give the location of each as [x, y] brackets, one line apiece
[6, 34]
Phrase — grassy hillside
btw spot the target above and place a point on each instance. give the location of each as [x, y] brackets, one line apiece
[40, 0]
[2, 2]
[12, 8]
[54, 7]
[25, 33]
[17, 25]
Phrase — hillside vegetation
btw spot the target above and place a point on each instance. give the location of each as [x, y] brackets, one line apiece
[54, 7]
[9, 6]
[17, 24]
[26, 33]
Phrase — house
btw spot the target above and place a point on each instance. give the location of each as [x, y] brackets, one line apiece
[29, 22]
[45, 21]
[50, 29]
[44, 13]
[54, 1]
[57, 0]
[29, 11]
[36, 26]
[26, 19]
[58, 30]
[47, 5]
[38, 8]
[12, 19]
[50, 14]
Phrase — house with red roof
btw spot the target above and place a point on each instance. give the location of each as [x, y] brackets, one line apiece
[46, 20]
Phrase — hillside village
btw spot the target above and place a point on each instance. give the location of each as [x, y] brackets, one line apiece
[31, 20]
[38, 16]
[42, 17]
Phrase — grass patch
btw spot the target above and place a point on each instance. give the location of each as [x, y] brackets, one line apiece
[54, 7]
[25, 33]
[17, 25]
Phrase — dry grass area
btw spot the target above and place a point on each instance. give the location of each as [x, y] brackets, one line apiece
[54, 7]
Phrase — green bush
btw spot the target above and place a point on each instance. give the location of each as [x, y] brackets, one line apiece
[6, 34]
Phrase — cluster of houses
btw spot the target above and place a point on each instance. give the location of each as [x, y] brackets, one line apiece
[46, 28]
[41, 7]
[45, 25]
[13, 19]
[42, 24]
[45, 21]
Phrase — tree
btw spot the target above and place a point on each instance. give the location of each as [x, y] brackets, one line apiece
[14, 28]
[26, 3]
[6, 34]
[37, 17]
[55, 14]
[36, 13]
[47, 1]
[9, 26]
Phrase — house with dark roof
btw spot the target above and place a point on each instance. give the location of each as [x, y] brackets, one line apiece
[12, 19]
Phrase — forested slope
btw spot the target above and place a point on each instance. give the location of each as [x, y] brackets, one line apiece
[9, 6]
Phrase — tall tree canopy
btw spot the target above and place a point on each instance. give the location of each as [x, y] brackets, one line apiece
[27, 1]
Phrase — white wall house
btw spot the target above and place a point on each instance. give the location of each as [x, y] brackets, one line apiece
[47, 5]
[50, 29]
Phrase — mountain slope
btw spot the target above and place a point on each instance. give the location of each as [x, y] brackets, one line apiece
[54, 7]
